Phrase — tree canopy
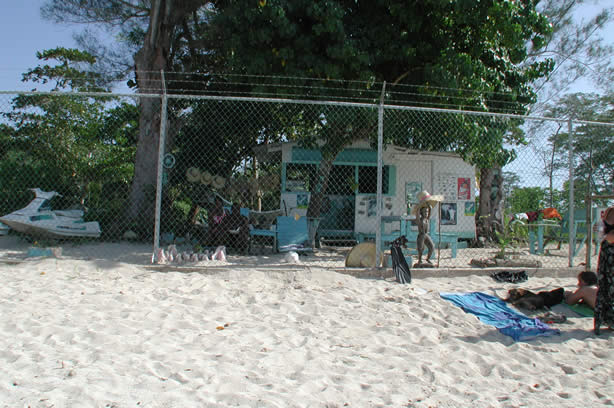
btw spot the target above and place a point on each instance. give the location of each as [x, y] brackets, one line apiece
[484, 56]
[80, 146]
[593, 144]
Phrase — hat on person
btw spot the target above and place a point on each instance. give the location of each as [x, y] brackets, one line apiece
[193, 175]
[424, 199]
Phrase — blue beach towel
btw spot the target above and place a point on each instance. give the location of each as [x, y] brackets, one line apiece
[493, 311]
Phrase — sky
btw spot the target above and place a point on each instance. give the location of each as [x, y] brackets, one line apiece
[24, 32]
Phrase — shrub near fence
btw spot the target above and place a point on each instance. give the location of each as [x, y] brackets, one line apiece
[354, 170]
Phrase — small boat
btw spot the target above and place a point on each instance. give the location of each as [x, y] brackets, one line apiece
[39, 219]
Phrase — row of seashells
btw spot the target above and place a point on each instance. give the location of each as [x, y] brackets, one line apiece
[172, 255]
[194, 175]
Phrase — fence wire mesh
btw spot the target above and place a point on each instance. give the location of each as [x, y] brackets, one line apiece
[265, 177]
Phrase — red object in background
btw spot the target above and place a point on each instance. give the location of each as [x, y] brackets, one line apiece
[532, 216]
[464, 188]
[550, 213]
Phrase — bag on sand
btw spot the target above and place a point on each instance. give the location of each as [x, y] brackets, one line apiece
[509, 276]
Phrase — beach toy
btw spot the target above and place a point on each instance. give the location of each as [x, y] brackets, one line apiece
[219, 254]
[171, 253]
[36, 252]
[160, 256]
[292, 257]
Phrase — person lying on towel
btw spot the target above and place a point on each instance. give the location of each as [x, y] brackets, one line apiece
[586, 292]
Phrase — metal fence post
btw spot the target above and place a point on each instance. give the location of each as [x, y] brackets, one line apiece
[161, 142]
[572, 223]
[380, 142]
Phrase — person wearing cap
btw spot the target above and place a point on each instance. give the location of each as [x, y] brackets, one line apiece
[604, 305]
[422, 210]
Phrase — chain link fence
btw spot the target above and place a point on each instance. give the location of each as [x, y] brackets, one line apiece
[268, 178]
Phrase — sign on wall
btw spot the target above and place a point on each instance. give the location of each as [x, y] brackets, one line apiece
[448, 214]
[464, 188]
[412, 188]
[447, 186]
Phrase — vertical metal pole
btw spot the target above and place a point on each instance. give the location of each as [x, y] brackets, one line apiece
[380, 148]
[161, 142]
[259, 193]
[572, 222]
[589, 227]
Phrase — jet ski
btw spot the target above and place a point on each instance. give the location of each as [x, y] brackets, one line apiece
[4, 229]
[39, 219]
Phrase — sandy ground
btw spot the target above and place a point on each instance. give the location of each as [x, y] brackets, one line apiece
[109, 330]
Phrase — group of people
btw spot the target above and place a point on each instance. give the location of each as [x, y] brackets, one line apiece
[596, 290]
[230, 229]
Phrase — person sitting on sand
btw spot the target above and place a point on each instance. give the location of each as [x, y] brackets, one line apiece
[586, 292]
[235, 229]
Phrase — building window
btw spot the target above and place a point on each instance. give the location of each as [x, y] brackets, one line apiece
[367, 179]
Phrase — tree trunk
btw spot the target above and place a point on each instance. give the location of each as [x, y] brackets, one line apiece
[490, 214]
[317, 194]
[150, 60]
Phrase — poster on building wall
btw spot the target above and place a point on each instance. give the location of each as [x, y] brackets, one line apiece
[302, 200]
[448, 214]
[446, 183]
[412, 188]
[470, 208]
[371, 206]
[464, 188]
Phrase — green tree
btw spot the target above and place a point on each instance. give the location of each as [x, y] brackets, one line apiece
[593, 144]
[442, 49]
[579, 51]
[526, 199]
[158, 27]
[577, 48]
[68, 143]
[477, 55]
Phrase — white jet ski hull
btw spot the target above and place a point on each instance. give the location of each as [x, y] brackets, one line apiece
[36, 219]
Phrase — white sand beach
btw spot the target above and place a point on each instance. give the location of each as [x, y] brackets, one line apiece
[109, 331]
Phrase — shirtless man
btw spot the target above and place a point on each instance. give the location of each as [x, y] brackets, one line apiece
[586, 292]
